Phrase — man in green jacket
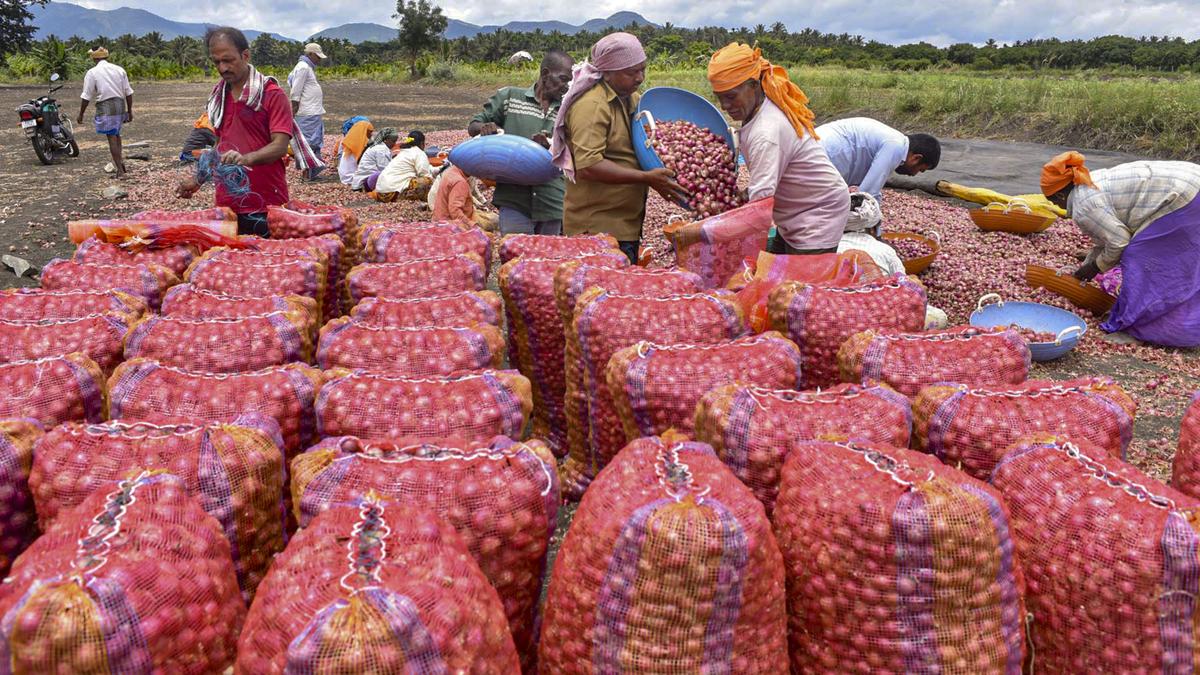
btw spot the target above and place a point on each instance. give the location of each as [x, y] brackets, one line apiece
[529, 112]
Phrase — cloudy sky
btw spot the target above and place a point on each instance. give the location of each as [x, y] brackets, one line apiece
[939, 21]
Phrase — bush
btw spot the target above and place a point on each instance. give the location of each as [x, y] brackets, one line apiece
[443, 72]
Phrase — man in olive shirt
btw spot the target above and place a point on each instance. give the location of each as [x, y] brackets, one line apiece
[594, 147]
[529, 112]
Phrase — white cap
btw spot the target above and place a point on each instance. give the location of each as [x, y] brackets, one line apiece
[314, 48]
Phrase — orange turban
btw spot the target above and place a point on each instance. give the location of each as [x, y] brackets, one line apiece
[1065, 169]
[203, 123]
[735, 63]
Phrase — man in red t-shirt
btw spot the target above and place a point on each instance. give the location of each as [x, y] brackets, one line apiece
[253, 120]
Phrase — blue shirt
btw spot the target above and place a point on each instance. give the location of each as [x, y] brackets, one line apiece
[864, 151]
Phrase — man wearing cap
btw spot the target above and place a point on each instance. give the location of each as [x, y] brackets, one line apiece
[108, 85]
[308, 102]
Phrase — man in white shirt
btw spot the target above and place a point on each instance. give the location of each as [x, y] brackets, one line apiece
[308, 102]
[867, 151]
[108, 85]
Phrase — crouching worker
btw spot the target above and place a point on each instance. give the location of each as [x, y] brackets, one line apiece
[454, 200]
[1145, 217]
[375, 159]
[785, 160]
[201, 138]
[408, 175]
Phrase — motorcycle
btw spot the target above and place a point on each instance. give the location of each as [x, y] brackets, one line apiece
[51, 133]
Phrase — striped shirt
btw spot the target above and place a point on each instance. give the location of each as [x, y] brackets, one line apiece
[1126, 199]
[517, 111]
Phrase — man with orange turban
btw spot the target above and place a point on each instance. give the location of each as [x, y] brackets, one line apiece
[785, 160]
[1143, 216]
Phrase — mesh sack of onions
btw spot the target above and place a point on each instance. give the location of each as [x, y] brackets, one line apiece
[148, 282]
[971, 428]
[570, 281]
[136, 579]
[192, 216]
[369, 231]
[330, 300]
[223, 345]
[501, 496]
[387, 245]
[1110, 555]
[376, 587]
[99, 336]
[474, 406]
[670, 566]
[185, 301]
[606, 323]
[286, 277]
[535, 335]
[820, 318]
[36, 304]
[175, 258]
[1185, 473]
[896, 563]
[418, 278]
[414, 352]
[752, 428]
[18, 522]
[141, 390]
[908, 361]
[297, 220]
[53, 390]
[332, 246]
[235, 472]
[441, 310]
[553, 246]
[656, 387]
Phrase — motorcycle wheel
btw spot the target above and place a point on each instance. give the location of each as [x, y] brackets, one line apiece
[41, 147]
[69, 131]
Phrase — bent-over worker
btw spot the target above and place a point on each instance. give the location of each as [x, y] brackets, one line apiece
[866, 152]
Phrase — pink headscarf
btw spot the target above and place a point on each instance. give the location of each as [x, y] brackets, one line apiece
[616, 51]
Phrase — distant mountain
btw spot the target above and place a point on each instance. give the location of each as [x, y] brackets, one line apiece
[358, 32]
[374, 32]
[64, 20]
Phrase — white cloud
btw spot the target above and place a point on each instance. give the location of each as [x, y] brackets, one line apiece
[939, 21]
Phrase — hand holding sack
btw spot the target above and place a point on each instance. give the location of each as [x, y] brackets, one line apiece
[37, 304]
[418, 277]
[18, 521]
[414, 352]
[223, 345]
[53, 390]
[148, 282]
[1185, 474]
[443, 310]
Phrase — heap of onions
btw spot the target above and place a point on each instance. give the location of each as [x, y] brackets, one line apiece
[376, 587]
[36, 304]
[971, 427]
[136, 579]
[148, 282]
[99, 336]
[385, 245]
[887, 549]
[501, 496]
[298, 276]
[440, 310]
[752, 428]
[18, 522]
[670, 565]
[339, 261]
[416, 352]
[1185, 473]
[175, 258]
[185, 301]
[703, 163]
[234, 471]
[606, 323]
[53, 390]
[379, 407]
[820, 317]
[1033, 336]
[552, 246]
[223, 345]
[418, 278]
[910, 361]
[909, 249]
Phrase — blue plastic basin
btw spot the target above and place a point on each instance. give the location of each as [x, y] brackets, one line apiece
[1034, 316]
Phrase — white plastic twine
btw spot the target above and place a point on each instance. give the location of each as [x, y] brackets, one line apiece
[375, 453]
[757, 394]
[645, 345]
[139, 429]
[883, 463]
[1053, 390]
[675, 476]
[371, 506]
[93, 549]
[1097, 470]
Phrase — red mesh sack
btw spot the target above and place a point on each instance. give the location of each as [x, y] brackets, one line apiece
[330, 299]
[147, 282]
[175, 258]
[374, 587]
[1110, 555]
[371, 230]
[136, 579]
[99, 336]
[670, 566]
[298, 220]
[553, 246]
[971, 428]
[469, 407]
[606, 323]
[536, 337]
[570, 281]
[18, 522]
[1185, 472]
[388, 245]
[242, 278]
[141, 390]
[909, 362]
[414, 352]
[819, 318]
[193, 216]
[223, 345]
[53, 390]
[234, 471]
[656, 387]
[339, 261]
[502, 497]
[752, 428]
[417, 278]
[896, 563]
[442, 310]
[185, 301]
[36, 304]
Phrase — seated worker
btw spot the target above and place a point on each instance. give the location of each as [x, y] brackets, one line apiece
[201, 138]
[454, 201]
[1145, 217]
[866, 152]
[374, 159]
[785, 160]
[352, 146]
[408, 175]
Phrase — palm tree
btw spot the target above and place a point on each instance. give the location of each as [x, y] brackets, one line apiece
[52, 57]
[127, 43]
[151, 44]
[186, 51]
